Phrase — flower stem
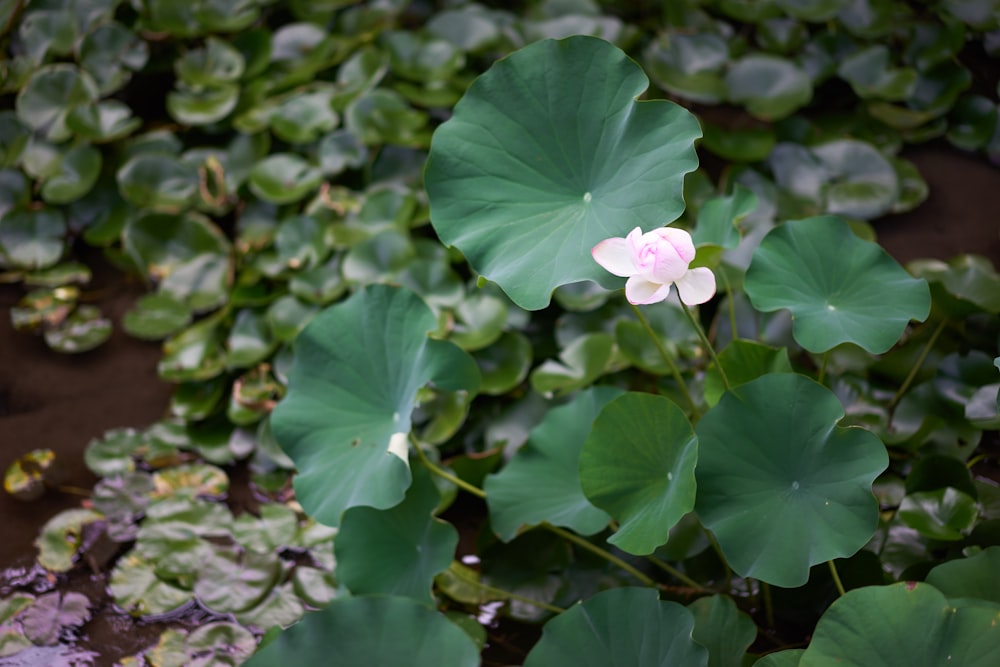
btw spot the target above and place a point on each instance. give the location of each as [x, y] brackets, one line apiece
[666, 357]
[444, 474]
[836, 578]
[674, 572]
[903, 388]
[731, 304]
[708, 345]
[598, 551]
[765, 589]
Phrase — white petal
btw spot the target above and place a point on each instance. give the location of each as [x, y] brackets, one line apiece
[640, 291]
[614, 255]
[697, 286]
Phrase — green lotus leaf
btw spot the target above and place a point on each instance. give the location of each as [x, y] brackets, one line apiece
[61, 536]
[513, 185]
[284, 178]
[638, 465]
[790, 657]
[907, 623]
[64, 273]
[222, 643]
[300, 241]
[110, 53]
[689, 65]
[84, 329]
[782, 486]
[830, 294]
[549, 465]
[913, 189]
[156, 316]
[972, 577]
[504, 364]
[964, 285]
[870, 75]
[812, 10]
[138, 590]
[288, 316]
[768, 86]
[396, 551]
[479, 321]
[723, 629]
[281, 608]
[204, 105]
[351, 631]
[103, 122]
[158, 182]
[580, 363]
[76, 175]
[49, 96]
[233, 580]
[743, 361]
[32, 238]
[379, 258]
[718, 218]
[941, 514]
[421, 57]
[861, 182]
[346, 429]
[621, 626]
[305, 116]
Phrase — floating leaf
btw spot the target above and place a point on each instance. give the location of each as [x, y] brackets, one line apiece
[907, 623]
[689, 65]
[84, 329]
[51, 93]
[870, 75]
[514, 186]
[396, 551]
[351, 631]
[770, 87]
[626, 626]
[194, 479]
[638, 465]
[549, 465]
[718, 218]
[232, 581]
[139, 591]
[60, 537]
[580, 363]
[830, 294]
[159, 182]
[25, 478]
[346, 431]
[156, 316]
[32, 238]
[77, 173]
[284, 178]
[782, 486]
[305, 116]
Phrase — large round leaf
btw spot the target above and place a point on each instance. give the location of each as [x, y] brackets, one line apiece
[839, 288]
[353, 384]
[904, 624]
[371, 631]
[549, 153]
[397, 551]
[780, 484]
[638, 465]
[542, 481]
[621, 627]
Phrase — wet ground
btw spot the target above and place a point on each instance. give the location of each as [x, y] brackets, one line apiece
[49, 400]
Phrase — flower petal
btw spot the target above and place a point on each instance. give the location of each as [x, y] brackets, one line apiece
[671, 250]
[639, 291]
[697, 286]
[615, 255]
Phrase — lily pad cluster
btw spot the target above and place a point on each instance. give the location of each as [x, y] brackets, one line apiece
[365, 230]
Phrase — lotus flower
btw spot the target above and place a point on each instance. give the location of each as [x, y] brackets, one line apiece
[653, 262]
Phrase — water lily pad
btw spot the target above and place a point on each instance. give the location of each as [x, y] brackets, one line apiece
[396, 551]
[233, 580]
[830, 294]
[110, 53]
[156, 316]
[351, 631]
[305, 116]
[627, 626]
[203, 105]
[159, 182]
[907, 623]
[60, 538]
[284, 178]
[515, 188]
[195, 479]
[49, 615]
[638, 465]
[871, 75]
[26, 477]
[139, 591]
[769, 87]
[541, 483]
[781, 486]
[76, 175]
[579, 364]
[82, 330]
[689, 65]
[32, 238]
[346, 431]
[49, 96]
[718, 218]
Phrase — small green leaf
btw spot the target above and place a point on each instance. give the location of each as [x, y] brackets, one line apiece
[743, 361]
[723, 629]
[76, 175]
[156, 316]
[157, 181]
[941, 514]
[32, 238]
[50, 95]
[233, 580]
[972, 577]
[60, 538]
[284, 178]
[139, 591]
[84, 329]
[770, 87]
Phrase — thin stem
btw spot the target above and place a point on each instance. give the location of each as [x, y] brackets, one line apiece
[598, 551]
[499, 592]
[822, 367]
[836, 578]
[674, 572]
[444, 474]
[666, 357]
[731, 304]
[975, 459]
[708, 345]
[722, 557]
[916, 368]
[765, 589]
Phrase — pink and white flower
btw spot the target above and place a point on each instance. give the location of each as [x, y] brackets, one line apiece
[653, 262]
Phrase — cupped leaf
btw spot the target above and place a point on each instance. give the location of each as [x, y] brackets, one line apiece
[621, 626]
[638, 465]
[782, 486]
[542, 482]
[396, 551]
[549, 153]
[907, 623]
[353, 384]
[352, 631]
[839, 288]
